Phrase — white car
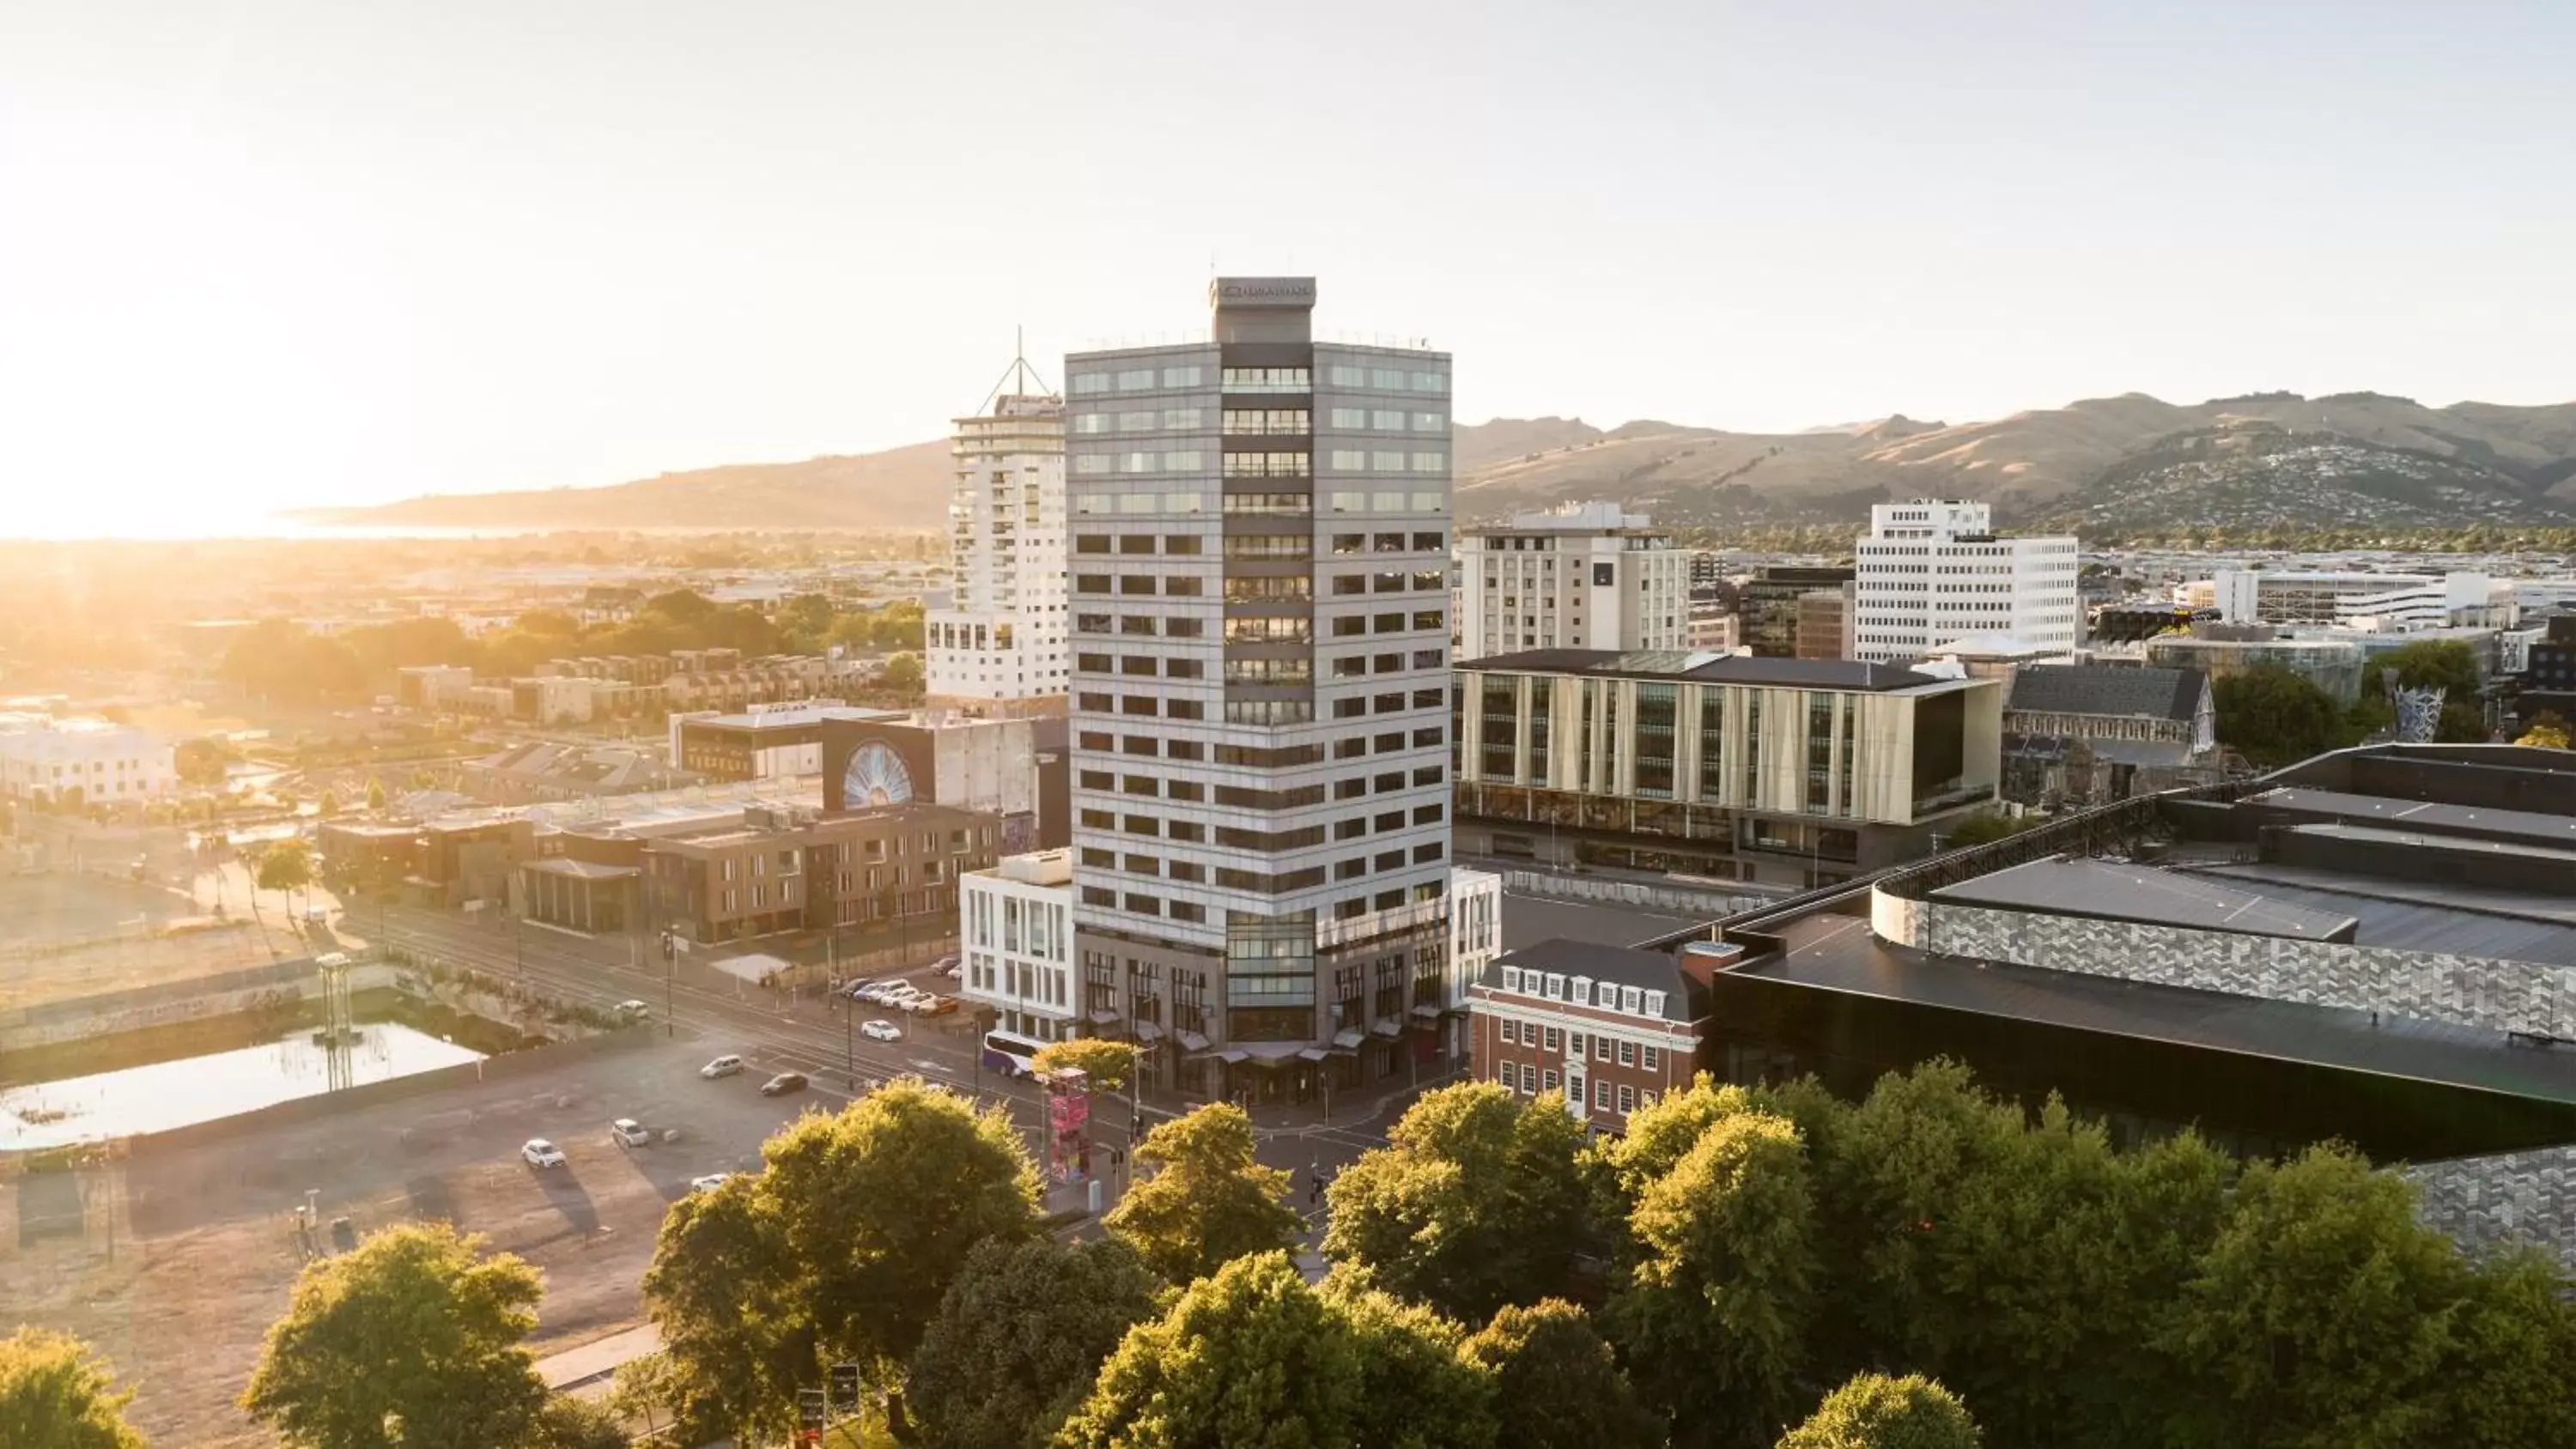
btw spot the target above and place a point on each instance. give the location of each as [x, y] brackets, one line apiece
[921, 1003]
[630, 1010]
[724, 1066]
[629, 1133]
[710, 1182]
[880, 1031]
[541, 1153]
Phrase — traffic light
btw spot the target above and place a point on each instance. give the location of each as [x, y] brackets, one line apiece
[845, 1387]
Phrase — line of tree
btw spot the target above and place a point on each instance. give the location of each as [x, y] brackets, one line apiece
[2275, 716]
[1932, 1267]
[280, 660]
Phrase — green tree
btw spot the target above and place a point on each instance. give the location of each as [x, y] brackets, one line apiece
[568, 1423]
[56, 1393]
[1713, 1318]
[1478, 1200]
[2274, 717]
[807, 620]
[1556, 1384]
[1874, 1411]
[1417, 1390]
[1207, 1202]
[1019, 1338]
[2548, 731]
[375, 795]
[286, 866]
[1986, 827]
[2449, 665]
[414, 1339]
[1249, 1358]
[1107, 1064]
[685, 607]
[2325, 1314]
[202, 762]
[903, 673]
[840, 1248]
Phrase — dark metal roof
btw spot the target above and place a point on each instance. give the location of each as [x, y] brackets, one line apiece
[2139, 692]
[2147, 893]
[1848, 674]
[2525, 826]
[2452, 920]
[1684, 999]
[1838, 953]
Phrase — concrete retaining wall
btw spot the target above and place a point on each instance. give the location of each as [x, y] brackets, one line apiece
[197, 998]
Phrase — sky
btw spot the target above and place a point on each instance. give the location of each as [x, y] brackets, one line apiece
[257, 254]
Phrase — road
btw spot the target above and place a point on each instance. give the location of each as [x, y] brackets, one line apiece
[815, 1035]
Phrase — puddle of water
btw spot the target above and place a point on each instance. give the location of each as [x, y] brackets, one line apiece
[163, 1095]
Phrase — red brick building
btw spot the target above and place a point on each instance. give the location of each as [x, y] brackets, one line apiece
[1611, 1027]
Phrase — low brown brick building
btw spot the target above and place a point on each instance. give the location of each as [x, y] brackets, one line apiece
[1611, 1027]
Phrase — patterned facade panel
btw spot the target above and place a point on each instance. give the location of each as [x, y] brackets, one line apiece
[2515, 1199]
[2472, 991]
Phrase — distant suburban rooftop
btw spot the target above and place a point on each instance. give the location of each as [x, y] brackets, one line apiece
[2131, 691]
[2108, 891]
[1705, 667]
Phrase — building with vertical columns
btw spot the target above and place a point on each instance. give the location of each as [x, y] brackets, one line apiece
[1789, 772]
[1577, 576]
[1260, 609]
[999, 647]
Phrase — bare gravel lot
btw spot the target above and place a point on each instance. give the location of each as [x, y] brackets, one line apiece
[175, 1260]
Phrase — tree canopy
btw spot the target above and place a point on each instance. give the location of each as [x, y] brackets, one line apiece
[1020, 1336]
[1478, 1200]
[2275, 717]
[56, 1393]
[286, 866]
[1206, 1201]
[1874, 1411]
[842, 1247]
[1556, 1383]
[417, 1330]
[1107, 1063]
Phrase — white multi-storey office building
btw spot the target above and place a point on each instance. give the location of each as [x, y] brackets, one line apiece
[1933, 571]
[1260, 600]
[1015, 939]
[999, 647]
[1577, 576]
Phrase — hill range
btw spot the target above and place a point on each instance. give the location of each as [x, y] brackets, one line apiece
[2107, 464]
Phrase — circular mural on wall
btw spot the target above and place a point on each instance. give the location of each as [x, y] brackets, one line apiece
[876, 776]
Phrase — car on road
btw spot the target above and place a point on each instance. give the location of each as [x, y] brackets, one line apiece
[723, 1066]
[710, 1182]
[782, 1084]
[926, 1004]
[945, 965]
[880, 1031]
[541, 1153]
[630, 1133]
[629, 1010]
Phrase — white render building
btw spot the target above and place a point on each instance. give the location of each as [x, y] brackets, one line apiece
[1260, 704]
[1577, 576]
[1933, 570]
[1015, 937]
[999, 646]
[93, 761]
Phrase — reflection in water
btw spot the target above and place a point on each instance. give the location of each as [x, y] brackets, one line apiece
[163, 1095]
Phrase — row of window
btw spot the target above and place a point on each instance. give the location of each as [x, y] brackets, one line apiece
[1387, 421]
[1532, 1081]
[1137, 379]
[1573, 1043]
[1146, 706]
[1583, 991]
[1255, 379]
[1379, 460]
[1189, 545]
[1102, 504]
[1294, 798]
[1289, 883]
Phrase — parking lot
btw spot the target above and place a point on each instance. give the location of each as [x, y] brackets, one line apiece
[183, 1256]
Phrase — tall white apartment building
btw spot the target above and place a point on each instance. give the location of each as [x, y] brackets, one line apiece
[999, 647]
[1260, 710]
[1015, 941]
[1933, 571]
[1577, 576]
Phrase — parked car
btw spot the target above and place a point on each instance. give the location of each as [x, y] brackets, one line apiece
[782, 1084]
[541, 1153]
[954, 971]
[880, 1031]
[630, 1133]
[710, 1182]
[929, 1005]
[629, 1010]
[724, 1066]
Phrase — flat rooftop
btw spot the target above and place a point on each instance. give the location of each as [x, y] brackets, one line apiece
[2524, 826]
[1706, 667]
[2111, 891]
[1838, 953]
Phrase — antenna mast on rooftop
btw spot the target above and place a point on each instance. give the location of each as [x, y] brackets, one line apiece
[1019, 374]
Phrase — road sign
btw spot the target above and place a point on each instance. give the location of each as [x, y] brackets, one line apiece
[811, 1415]
[845, 1387]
